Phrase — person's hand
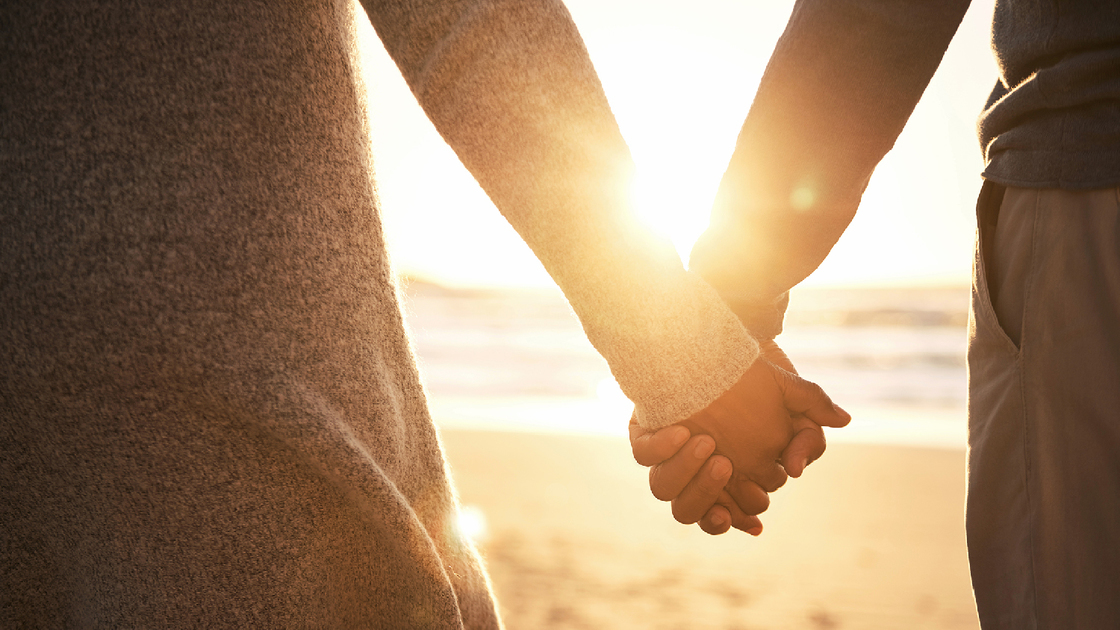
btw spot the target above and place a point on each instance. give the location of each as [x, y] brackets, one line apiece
[682, 472]
[677, 459]
[808, 442]
[752, 426]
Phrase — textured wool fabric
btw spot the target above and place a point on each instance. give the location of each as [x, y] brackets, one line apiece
[1053, 117]
[209, 410]
[547, 150]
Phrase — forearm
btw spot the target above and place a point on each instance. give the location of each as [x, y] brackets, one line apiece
[510, 87]
[844, 78]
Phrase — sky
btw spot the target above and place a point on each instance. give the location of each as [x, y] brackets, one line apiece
[680, 82]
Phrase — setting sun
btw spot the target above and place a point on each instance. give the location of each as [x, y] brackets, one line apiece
[680, 84]
[681, 136]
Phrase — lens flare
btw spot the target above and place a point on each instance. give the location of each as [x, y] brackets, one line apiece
[472, 523]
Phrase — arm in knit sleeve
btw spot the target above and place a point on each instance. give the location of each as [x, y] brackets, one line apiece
[510, 87]
[841, 83]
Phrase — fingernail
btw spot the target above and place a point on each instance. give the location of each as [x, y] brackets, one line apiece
[679, 436]
[843, 414]
[804, 464]
[718, 519]
[755, 531]
[703, 448]
[720, 469]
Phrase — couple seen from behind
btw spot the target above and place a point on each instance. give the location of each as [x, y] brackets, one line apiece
[211, 413]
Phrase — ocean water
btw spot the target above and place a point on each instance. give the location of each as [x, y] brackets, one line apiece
[517, 360]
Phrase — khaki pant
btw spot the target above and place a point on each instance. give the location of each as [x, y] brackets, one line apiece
[1043, 509]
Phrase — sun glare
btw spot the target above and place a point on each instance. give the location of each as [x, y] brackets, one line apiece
[681, 136]
[472, 523]
[680, 84]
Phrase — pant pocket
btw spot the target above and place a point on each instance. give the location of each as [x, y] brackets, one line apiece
[990, 276]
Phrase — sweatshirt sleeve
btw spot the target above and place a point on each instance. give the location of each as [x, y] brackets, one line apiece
[841, 83]
[510, 87]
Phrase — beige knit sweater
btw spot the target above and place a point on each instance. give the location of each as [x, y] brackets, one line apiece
[209, 411]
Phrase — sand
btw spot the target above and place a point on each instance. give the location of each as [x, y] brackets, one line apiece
[871, 537]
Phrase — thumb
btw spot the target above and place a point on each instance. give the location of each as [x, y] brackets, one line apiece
[807, 398]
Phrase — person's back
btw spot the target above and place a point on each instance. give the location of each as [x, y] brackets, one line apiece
[1053, 119]
[195, 289]
[1044, 351]
[210, 411]
[1044, 344]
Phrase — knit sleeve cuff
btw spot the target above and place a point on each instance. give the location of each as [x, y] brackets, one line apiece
[688, 351]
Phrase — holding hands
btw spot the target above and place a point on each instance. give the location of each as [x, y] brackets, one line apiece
[718, 465]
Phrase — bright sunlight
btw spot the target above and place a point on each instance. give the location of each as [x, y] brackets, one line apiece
[680, 84]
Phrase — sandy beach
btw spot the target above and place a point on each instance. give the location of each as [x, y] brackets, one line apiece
[871, 537]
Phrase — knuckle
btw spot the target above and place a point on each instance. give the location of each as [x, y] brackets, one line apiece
[753, 503]
[637, 454]
[762, 504]
[816, 453]
[658, 487]
[755, 506]
[644, 450]
[707, 486]
[776, 481]
[684, 514]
